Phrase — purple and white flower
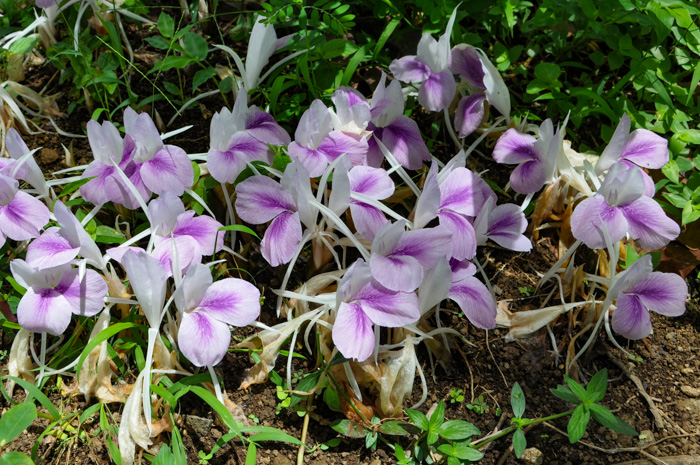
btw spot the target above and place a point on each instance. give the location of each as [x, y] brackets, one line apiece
[430, 67]
[503, 224]
[21, 164]
[376, 184]
[207, 309]
[398, 132]
[21, 215]
[642, 148]
[620, 207]
[638, 290]
[54, 294]
[362, 302]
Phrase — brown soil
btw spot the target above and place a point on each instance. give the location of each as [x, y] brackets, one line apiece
[487, 366]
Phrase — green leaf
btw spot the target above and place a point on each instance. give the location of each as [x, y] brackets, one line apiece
[75, 185]
[239, 228]
[251, 455]
[202, 76]
[418, 418]
[517, 400]
[631, 256]
[158, 42]
[338, 47]
[393, 427]
[16, 420]
[671, 171]
[218, 407]
[578, 423]
[692, 89]
[565, 394]
[164, 457]
[462, 450]
[40, 396]
[106, 235]
[606, 418]
[101, 336]
[388, 30]
[23, 45]
[519, 442]
[597, 386]
[15, 458]
[548, 72]
[354, 62]
[179, 453]
[689, 214]
[166, 25]
[349, 428]
[170, 63]
[164, 394]
[196, 46]
[437, 417]
[457, 430]
[576, 388]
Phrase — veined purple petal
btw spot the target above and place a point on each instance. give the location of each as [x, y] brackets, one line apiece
[425, 245]
[29, 171]
[163, 213]
[170, 170]
[649, 224]
[105, 141]
[611, 153]
[469, 114]
[22, 218]
[314, 125]
[587, 220]
[338, 143]
[461, 269]
[631, 319]
[397, 272]
[188, 253]
[645, 149]
[314, 161]
[193, 287]
[529, 177]
[259, 199]
[435, 286]
[51, 249]
[622, 185]
[387, 102]
[463, 236]
[514, 147]
[410, 69]
[44, 311]
[75, 233]
[281, 239]
[232, 301]
[203, 229]
[351, 107]
[352, 332]
[203, 339]
[664, 293]
[649, 186]
[106, 187]
[263, 127]
[475, 300]
[368, 219]
[86, 297]
[403, 139]
[143, 131]
[463, 192]
[373, 182]
[225, 166]
[466, 63]
[14, 144]
[437, 92]
[387, 308]
[506, 227]
[117, 253]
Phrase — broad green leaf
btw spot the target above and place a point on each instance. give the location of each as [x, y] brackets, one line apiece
[462, 450]
[519, 442]
[23, 45]
[170, 63]
[338, 48]
[251, 455]
[166, 25]
[15, 458]
[692, 89]
[196, 46]
[578, 423]
[348, 428]
[437, 417]
[158, 42]
[689, 214]
[418, 418]
[565, 394]
[16, 420]
[268, 433]
[392, 427]
[75, 185]
[202, 76]
[164, 457]
[597, 386]
[606, 418]
[106, 235]
[576, 388]
[457, 430]
[671, 171]
[517, 400]
[548, 72]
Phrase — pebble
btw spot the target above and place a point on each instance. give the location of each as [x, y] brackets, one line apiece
[281, 460]
[532, 456]
[646, 437]
[687, 371]
[199, 425]
[690, 391]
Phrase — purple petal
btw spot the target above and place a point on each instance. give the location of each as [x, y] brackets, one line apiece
[232, 301]
[117, 253]
[260, 199]
[14, 144]
[170, 170]
[475, 301]
[373, 182]
[649, 224]
[106, 187]
[622, 185]
[437, 92]
[352, 332]
[397, 272]
[611, 153]
[466, 63]
[461, 269]
[86, 297]
[428, 203]
[106, 143]
[463, 192]
[314, 125]
[586, 222]
[147, 278]
[264, 128]
[74, 231]
[425, 245]
[338, 143]
[664, 293]
[202, 339]
[506, 227]
[314, 161]
[469, 114]
[387, 308]
[529, 177]
[193, 287]
[649, 186]
[463, 236]
[22, 218]
[163, 213]
[225, 166]
[410, 69]
[143, 131]
[44, 311]
[631, 319]
[368, 219]
[403, 139]
[203, 229]
[646, 149]
[51, 249]
[188, 253]
[280, 242]
[514, 147]
[387, 102]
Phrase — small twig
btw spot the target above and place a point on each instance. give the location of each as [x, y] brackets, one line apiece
[304, 430]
